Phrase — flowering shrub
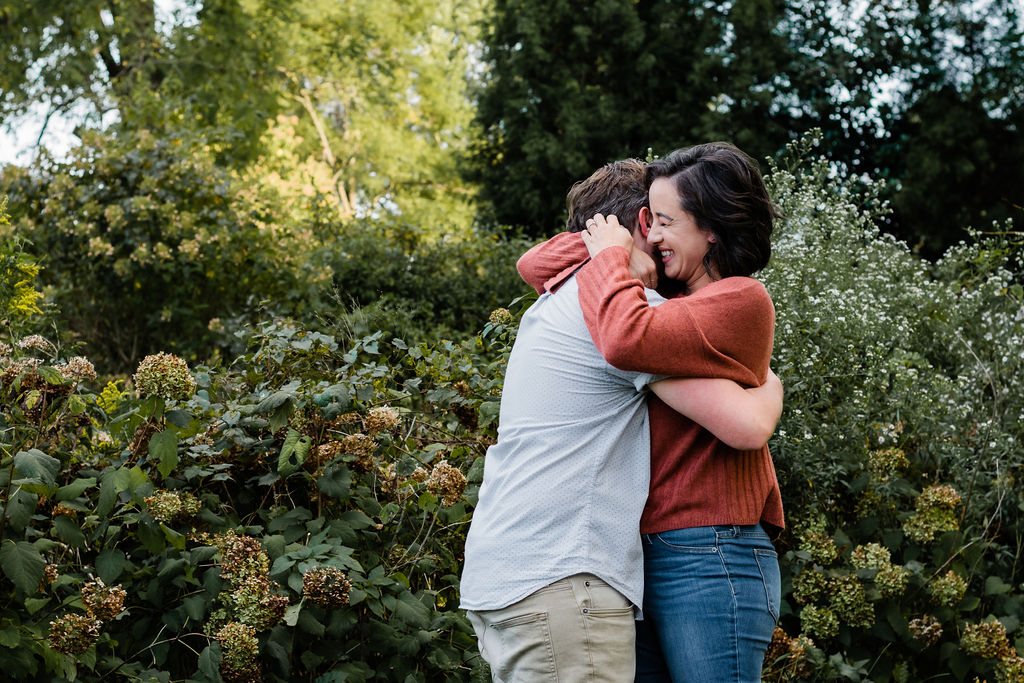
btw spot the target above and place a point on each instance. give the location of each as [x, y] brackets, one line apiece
[300, 513]
[237, 523]
[900, 442]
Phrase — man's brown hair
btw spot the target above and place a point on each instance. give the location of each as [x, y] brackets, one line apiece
[618, 188]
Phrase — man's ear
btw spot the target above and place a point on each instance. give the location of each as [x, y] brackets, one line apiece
[644, 221]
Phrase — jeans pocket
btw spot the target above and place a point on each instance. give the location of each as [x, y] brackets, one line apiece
[664, 539]
[768, 563]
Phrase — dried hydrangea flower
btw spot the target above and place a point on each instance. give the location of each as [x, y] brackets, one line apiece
[165, 375]
[849, 602]
[446, 482]
[381, 419]
[819, 621]
[78, 369]
[239, 651]
[986, 640]
[73, 634]
[361, 446]
[948, 590]
[34, 342]
[936, 513]
[166, 506]
[326, 586]
[892, 580]
[870, 556]
[500, 316]
[925, 629]
[817, 543]
[103, 602]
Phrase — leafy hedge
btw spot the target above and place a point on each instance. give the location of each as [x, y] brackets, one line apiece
[148, 245]
[300, 513]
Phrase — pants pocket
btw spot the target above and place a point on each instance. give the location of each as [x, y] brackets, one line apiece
[521, 646]
[768, 563]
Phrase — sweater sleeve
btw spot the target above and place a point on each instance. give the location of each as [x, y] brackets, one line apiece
[548, 264]
[725, 329]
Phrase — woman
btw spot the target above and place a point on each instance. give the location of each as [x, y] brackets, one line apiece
[712, 586]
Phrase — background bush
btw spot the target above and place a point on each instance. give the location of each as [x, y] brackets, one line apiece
[300, 513]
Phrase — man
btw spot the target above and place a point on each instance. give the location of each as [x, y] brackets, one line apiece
[554, 565]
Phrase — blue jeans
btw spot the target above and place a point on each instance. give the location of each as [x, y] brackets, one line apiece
[711, 600]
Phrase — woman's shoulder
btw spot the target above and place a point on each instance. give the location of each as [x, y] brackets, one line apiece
[745, 287]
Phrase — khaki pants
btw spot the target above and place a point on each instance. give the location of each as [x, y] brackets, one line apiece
[575, 629]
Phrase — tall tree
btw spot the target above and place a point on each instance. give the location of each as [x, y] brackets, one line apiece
[376, 89]
[557, 102]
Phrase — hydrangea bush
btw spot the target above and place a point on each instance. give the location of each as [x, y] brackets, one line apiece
[297, 514]
[300, 513]
[900, 441]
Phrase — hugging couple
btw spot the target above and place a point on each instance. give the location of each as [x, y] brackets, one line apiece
[624, 520]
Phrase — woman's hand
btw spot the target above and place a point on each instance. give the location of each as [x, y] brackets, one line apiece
[602, 233]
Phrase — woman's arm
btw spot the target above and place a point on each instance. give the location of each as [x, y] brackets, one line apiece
[551, 262]
[548, 264]
[743, 419]
[723, 330]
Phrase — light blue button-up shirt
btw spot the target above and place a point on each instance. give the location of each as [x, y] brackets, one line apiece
[566, 482]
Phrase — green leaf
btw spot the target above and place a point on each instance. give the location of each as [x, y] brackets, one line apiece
[969, 603]
[279, 418]
[291, 613]
[273, 402]
[22, 564]
[357, 519]
[10, 636]
[195, 607]
[336, 482]
[68, 531]
[20, 508]
[110, 563]
[488, 412]
[112, 482]
[33, 605]
[75, 488]
[35, 467]
[309, 624]
[163, 448]
[76, 404]
[209, 662]
[51, 375]
[293, 452]
[411, 611]
[996, 586]
[179, 418]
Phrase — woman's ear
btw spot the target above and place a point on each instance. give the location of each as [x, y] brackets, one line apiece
[644, 221]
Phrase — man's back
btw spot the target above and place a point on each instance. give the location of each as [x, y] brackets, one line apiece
[566, 482]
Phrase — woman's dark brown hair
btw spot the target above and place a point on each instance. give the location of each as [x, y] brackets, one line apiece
[722, 188]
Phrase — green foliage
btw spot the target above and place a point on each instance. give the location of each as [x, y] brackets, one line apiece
[373, 91]
[19, 299]
[926, 96]
[319, 494]
[144, 240]
[244, 519]
[399, 275]
[900, 442]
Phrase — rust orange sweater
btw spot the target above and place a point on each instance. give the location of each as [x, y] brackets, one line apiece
[725, 329]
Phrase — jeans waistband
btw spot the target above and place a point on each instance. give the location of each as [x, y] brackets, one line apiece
[711, 534]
